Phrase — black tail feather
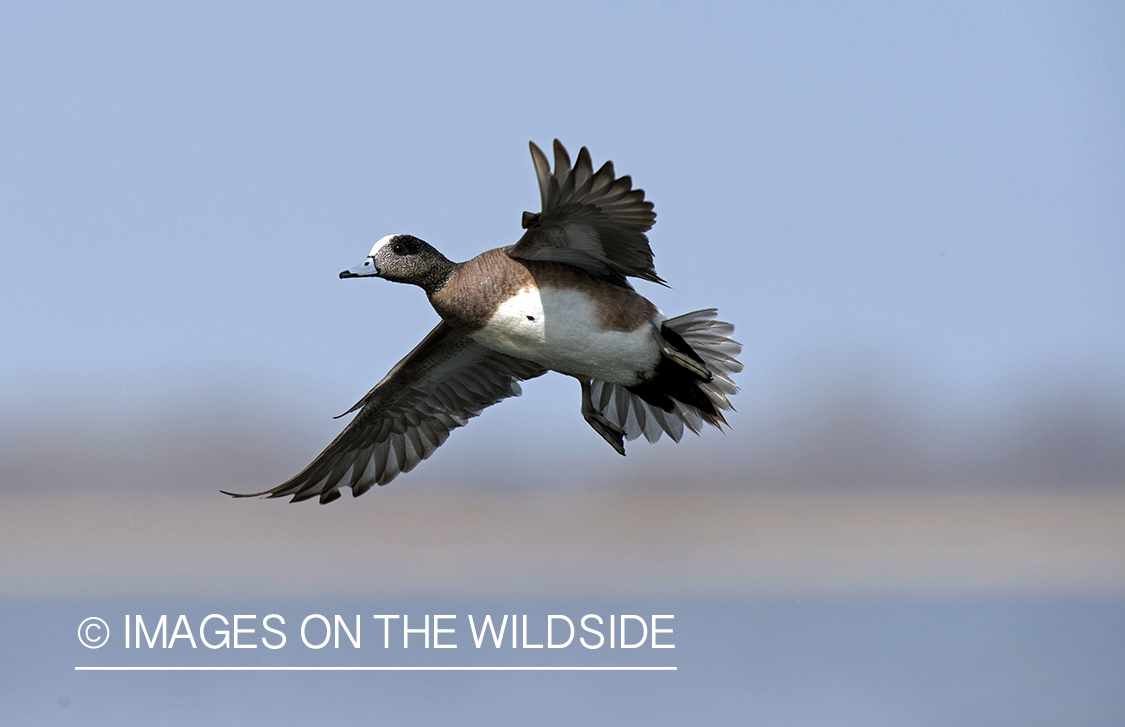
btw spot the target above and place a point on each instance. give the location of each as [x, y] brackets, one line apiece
[672, 382]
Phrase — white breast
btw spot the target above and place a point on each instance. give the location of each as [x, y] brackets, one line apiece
[560, 329]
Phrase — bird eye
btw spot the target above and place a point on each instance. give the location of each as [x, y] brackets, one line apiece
[399, 249]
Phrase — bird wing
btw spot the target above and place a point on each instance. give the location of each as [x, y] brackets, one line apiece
[591, 220]
[446, 380]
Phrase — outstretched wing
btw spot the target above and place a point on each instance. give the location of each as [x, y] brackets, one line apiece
[445, 381]
[591, 220]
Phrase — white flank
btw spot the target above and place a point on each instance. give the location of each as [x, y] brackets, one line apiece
[560, 329]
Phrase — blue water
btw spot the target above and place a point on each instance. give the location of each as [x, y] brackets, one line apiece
[769, 661]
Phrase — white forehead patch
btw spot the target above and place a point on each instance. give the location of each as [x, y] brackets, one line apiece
[381, 243]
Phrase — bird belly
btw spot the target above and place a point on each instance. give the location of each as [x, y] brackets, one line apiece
[560, 329]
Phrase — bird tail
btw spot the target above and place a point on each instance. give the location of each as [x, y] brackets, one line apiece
[676, 397]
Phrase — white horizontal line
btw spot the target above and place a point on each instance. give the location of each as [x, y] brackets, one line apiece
[375, 669]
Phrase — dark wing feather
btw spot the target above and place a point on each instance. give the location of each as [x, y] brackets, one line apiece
[445, 381]
[591, 220]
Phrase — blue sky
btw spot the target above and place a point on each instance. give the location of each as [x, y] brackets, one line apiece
[929, 195]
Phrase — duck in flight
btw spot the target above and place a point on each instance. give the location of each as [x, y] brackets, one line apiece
[557, 300]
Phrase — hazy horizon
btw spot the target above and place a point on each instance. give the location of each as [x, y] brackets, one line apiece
[846, 433]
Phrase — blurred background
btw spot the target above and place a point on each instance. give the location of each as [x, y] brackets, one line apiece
[913, 215]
